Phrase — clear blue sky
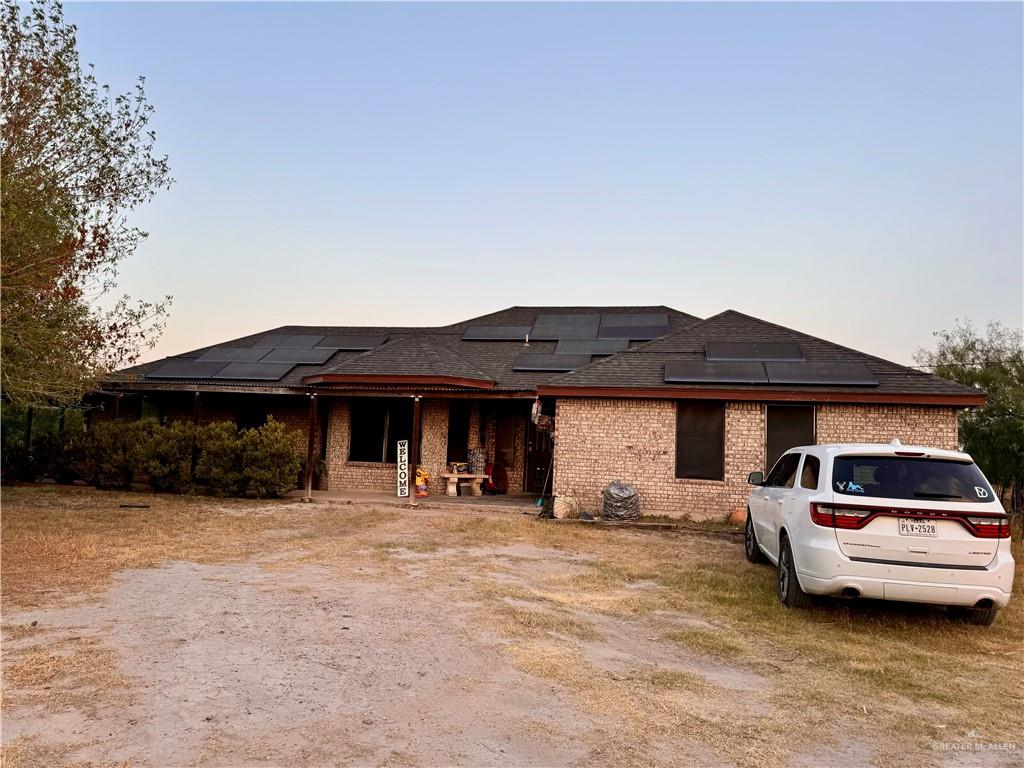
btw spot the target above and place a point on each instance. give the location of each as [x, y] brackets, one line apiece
[854, 171]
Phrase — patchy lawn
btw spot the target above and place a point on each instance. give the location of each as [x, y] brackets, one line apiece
[212, 632]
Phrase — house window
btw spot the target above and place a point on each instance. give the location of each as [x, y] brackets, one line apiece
[700, 440]
[458, 430]
[151, 409]
[376, 427]
[251, 414]
[787, 427]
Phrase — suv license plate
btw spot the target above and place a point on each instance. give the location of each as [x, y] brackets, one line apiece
[918, 527]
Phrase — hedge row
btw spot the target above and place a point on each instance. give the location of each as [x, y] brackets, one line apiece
[180, 457]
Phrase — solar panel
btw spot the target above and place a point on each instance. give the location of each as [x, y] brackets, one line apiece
[185, 368]
[591, 346]
[496, 333]
[632, 332]
[351, 342]
[232, 355]
[561, 320]
[828, 374]
[300, 340]
[704, 371]
[753, 350]
[314, 356]
[636, 318]
[254, 371]
[559, 332]
[542, 361]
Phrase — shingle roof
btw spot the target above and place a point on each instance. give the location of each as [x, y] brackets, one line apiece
[644, 366]
[439, 347]
[440, 353]
[419, 354]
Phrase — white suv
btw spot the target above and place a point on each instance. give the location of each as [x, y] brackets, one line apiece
[890, 522]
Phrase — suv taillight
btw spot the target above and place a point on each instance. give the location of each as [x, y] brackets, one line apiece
[990, 527]
[840, 517]
[987, 527]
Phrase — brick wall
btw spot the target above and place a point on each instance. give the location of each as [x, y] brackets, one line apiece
[921, 425]
[599, 440]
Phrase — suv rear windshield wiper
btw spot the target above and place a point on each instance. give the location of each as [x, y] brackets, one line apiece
[938, 496]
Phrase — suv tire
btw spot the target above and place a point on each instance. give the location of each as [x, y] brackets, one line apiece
[790, 593]
[750, 546]
[982, 617]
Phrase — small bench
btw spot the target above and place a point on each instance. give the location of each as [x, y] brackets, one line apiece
[473, 481]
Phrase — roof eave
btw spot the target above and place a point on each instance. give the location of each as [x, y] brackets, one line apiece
[399, 380]
[845, 396]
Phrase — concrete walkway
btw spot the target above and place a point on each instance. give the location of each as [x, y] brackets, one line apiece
[511, 503]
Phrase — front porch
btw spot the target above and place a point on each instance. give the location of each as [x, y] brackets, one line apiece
[359, 435]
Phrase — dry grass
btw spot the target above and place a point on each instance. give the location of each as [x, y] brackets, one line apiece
[59, 541]
[855, 664]
[68, 672]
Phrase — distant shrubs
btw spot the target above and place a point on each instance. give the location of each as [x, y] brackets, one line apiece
[178, 457]
[219, 465]
[270, 464]
[170, 457]
[116, 450]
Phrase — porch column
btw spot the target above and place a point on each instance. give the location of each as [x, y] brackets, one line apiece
[414, 449]
[310, 445]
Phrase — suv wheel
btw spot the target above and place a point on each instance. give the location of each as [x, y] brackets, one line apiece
[790, 593]
[750, 547]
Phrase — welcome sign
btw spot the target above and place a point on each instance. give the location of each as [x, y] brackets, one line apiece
[403, 468]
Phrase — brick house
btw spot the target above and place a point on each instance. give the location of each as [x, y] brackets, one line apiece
[683, 408]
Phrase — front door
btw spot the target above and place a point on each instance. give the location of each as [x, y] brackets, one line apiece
[539, 452]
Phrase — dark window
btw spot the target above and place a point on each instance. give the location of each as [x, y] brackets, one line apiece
[810, 473]
[898, 477]
[783, 474]
[788, 427]
[458, 430]
[700, 440]
[377, 426]
[151, 409]
[251, 414]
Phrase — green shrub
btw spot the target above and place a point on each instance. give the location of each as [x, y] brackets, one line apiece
[116, 451]
[219, 468]
[168, 457]
[270, 463]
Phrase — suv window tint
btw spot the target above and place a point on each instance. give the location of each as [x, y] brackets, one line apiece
[811, 470]
[900, 477]
[784, 472]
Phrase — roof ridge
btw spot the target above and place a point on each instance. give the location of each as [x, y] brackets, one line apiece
[451, 352]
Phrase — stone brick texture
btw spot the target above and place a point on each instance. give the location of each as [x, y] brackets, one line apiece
[598, 440]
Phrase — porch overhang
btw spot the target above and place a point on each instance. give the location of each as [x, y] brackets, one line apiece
[429, 380]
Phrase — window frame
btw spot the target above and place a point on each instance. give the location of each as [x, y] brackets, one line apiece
[680, 472]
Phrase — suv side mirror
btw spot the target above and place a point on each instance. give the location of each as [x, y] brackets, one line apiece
[756, 478]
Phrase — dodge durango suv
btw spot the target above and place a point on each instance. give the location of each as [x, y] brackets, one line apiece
[883, 521]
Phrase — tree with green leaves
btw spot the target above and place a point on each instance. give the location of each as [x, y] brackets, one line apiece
[994, 433]
[75, 160]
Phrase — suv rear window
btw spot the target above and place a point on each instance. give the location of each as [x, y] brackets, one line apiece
[898, 477]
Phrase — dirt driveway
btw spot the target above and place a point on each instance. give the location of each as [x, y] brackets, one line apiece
[204, 632]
